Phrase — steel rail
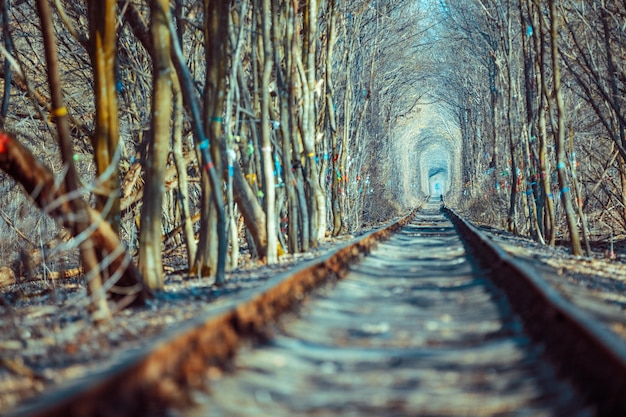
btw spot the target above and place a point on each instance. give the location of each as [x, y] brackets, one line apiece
[584, 351]
[150, 379]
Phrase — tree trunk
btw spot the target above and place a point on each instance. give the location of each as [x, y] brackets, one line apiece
[544, 177]
[578, 199]
[561, 166]
[528, 132]
[79, 206]
[331, 124]
[615, 100]
[252, 211]
[237, 38]
[190, 99]
[103, 52]
[181, 169]
[284, 66]
[266, 143]
[210, 257]
[8, 71]
[150, 259]
[318, 199]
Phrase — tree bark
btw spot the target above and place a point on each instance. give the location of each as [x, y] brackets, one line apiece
[561, 166]
[209, 261]
[528, 129]
[103, 51]
[190, 99]
[544, 164]
[150, 258]
[8, 71]
[318, 199]
[181, 169]
[266, 143]
[79, 206]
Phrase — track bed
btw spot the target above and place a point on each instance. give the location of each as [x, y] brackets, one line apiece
[415, 328]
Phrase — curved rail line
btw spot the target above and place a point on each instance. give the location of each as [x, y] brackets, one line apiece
[416, 327]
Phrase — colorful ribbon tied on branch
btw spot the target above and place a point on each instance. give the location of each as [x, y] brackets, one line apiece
[4, 142]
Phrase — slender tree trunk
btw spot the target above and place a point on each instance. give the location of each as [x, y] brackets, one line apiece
[493, 95]
[191, 102]
[237, 38]
[266, 143]
[8, 71]
[513, 196]
[79, 206]
[318, 199]
[528, 130]
[298, 85]
[544, 174]
[245, 192]
[181, 169]
[211, 247]
[150, 259]
[103, 48]
[331, 123]
[252, 211]
[578, 193]
[615, 98]
[561, 166]
[107, 149]
[282, 27]
[348, 116]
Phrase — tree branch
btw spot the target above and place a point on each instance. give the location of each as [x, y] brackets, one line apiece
[39, 182]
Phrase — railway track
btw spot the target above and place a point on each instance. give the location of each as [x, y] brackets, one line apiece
[425, 324]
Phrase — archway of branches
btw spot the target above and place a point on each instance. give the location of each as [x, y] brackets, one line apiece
[430, 144]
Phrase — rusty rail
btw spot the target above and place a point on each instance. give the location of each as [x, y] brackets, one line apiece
[586, 353]
[161, 375]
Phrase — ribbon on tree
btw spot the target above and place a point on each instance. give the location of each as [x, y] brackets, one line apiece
[4, 142]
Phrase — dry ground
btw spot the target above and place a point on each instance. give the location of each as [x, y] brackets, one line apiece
[47, 337]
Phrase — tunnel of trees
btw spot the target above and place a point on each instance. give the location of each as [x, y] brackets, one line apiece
[261, 127]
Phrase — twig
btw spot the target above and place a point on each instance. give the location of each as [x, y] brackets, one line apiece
[10, 223]
[68, 24]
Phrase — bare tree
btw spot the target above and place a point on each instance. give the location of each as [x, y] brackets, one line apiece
[150, 252]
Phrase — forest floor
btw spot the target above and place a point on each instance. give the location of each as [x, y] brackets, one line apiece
[47, 337]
